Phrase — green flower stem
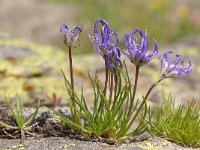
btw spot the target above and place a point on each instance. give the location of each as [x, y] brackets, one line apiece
[111, 88]
[143, 102]
[134, 89]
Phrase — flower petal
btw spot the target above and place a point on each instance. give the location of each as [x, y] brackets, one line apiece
[137, 45]
[172, 69]
[187, 70]
[175, 62]
[113, 59]
[165, 61]
[129, 44]
[149, 57]
[63, 28]
[105, 32]
[76, 30]
[174, 72]
[109, 61]
[115, 36]
[96, 47]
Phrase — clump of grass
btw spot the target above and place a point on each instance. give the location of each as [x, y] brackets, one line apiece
[179, 124]
[22, 124]
[107, 122]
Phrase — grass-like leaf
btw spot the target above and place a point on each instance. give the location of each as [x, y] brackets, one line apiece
[18, 116]
[180, 125]
[106, 121]
[31, 120]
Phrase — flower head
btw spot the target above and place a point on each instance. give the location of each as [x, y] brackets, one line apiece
[113, 60]
[104, 39]
[173, 68]
[138, 47]
[72, 37]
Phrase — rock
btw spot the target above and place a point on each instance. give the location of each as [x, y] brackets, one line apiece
[60, 143]
[34, 72]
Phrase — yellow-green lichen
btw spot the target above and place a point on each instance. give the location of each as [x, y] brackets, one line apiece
[16, 147]
[17, 76]
[149, 145]
[66, 146]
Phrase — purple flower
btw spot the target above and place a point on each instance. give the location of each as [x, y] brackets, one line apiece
[104, 39]
[173, 68]
[72, 37]
[106, 42]
[113, 60]
[138, 47]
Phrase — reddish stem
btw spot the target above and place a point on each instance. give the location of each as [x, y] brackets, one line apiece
[72, 83]
[134, 89]
[142, 104]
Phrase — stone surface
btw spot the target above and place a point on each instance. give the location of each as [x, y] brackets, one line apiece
[59, 143]
[49, 133]
[35, 20]
[33, 71]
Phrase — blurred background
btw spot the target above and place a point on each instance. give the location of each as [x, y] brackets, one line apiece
[168, 21]
[28, 25]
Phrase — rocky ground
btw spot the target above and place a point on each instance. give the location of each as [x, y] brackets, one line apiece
[59, 143]
[49, 133]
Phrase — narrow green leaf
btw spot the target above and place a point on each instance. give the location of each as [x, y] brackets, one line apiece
[12, 111]
[71, 123]
[29, 122]
[20, 112]
[7, 126]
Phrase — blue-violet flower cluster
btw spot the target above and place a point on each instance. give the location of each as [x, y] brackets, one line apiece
[71, 39]
[138, 47]
[173, 68]
[106, 44]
